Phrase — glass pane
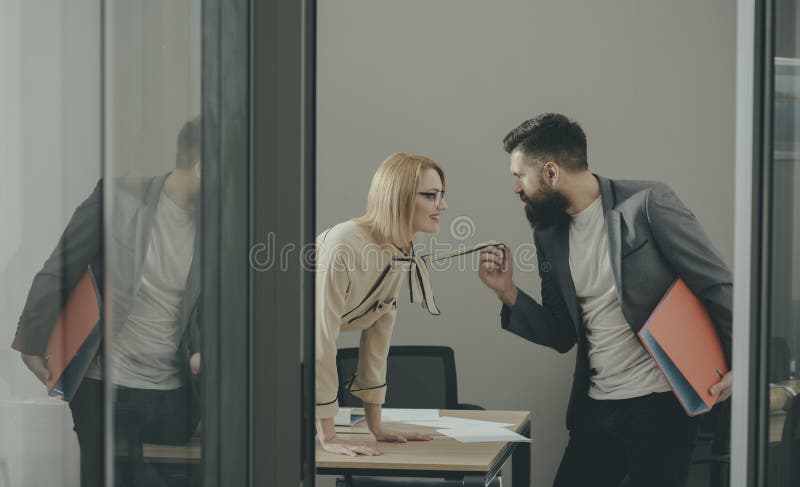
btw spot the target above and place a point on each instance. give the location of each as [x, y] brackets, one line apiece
[152, 241]
[783, 455]
[50, 160]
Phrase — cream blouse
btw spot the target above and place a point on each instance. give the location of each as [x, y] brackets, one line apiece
[357, 284]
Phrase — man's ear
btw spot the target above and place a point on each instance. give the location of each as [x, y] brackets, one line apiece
[551, 172]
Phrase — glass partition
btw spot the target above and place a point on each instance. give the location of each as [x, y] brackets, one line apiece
[144, 147]
[150, 366]
[782, 388]
[51, 163]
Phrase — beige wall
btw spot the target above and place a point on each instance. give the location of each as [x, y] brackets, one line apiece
[652, 83]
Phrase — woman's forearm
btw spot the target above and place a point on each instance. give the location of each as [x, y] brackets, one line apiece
[373, 414]
[326, 430]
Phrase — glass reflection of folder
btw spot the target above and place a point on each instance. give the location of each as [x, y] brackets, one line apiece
[684, 343]
[75, 338]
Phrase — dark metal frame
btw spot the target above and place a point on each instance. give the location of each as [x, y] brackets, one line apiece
[225, 231]
[309, 157]
[258, 178]
[282, 185]
[760, 326]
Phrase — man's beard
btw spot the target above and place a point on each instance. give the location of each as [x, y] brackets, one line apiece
[546, 207]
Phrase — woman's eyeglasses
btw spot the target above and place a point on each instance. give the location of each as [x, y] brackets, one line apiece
[435, 196]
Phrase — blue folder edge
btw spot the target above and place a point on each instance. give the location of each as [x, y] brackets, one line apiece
[684, 391]
[356, 418]
[67, 385]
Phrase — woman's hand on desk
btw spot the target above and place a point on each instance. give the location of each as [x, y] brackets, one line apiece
[392, 436]
[346, 447]
[326, 432]
[375, 425]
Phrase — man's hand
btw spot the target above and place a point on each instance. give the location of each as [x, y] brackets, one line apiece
[194, 363]
[38, 365]
[497, 272]
[723, 387]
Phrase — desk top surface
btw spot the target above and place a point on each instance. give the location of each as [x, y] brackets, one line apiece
[188, 453]
[441, 454]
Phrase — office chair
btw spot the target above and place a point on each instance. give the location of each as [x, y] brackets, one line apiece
[419, 377]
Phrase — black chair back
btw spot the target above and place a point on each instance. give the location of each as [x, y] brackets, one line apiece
[417, 376]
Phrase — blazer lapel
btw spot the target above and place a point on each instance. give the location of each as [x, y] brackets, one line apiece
[192, 291]
[615, 246]
[556, 240]
[613, 230]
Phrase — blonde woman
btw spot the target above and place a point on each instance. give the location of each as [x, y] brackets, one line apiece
[361, 265]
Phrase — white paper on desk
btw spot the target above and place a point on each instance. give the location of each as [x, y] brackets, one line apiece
[450, 422]
[404, 415]
[472, 434]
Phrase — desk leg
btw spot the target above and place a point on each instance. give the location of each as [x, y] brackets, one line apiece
[521, 466]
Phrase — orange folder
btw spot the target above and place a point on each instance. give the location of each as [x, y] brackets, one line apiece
[75, 338]
[685, 346]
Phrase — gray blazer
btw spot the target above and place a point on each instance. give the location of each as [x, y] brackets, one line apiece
[81, 245]
[652, 239]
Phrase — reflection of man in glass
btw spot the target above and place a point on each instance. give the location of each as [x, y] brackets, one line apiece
[152, 274]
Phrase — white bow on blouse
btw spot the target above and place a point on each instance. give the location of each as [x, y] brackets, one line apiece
[419, 280]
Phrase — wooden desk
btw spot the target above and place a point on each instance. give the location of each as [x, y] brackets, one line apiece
[188, 453]
[474, 463]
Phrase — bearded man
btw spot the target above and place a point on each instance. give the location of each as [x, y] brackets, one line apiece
[608, 250]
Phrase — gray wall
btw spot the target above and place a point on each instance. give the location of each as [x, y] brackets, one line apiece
[155, 76]
[652, 83]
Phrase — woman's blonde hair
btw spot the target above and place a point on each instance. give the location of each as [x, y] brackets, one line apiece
[390, 203]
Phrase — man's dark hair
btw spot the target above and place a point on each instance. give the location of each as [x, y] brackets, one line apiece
[189, 144]
[550, 137]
